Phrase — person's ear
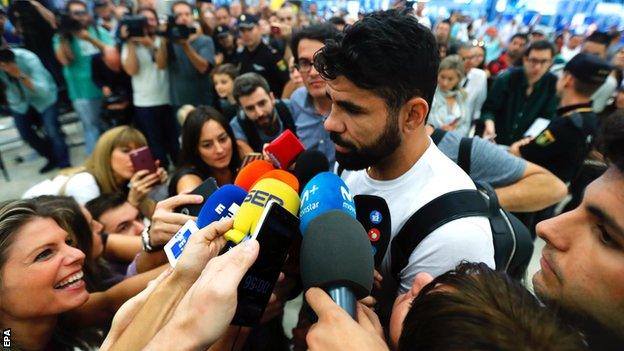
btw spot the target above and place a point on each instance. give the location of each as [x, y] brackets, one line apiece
[415, 112]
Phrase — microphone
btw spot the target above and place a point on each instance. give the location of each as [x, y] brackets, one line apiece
[249, 174]
[310, 163]
[284, 149]
[223, 203]
[325, 192]
[374, 215]
[283, 176]
[336, 256]
[250, 211]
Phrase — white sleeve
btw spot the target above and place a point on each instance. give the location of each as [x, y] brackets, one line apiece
[83, 187]
[465, 239]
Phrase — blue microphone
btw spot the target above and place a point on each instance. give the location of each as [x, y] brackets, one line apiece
[223, 203]
[323, 193]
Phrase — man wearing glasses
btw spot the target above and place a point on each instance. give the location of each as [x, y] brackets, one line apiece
[520, 95]
[310, 104]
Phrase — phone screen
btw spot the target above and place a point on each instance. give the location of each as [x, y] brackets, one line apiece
[275, 235]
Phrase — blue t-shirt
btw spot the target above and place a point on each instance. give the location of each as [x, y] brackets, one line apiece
[186, 84]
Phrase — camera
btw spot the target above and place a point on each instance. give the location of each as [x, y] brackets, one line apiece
[67, 24]
[177, 31]
[135, 24]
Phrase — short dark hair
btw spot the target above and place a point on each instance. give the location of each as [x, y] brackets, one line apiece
[247, 83]
[599, 38]
[223, 7]
[337, 21]
[478, 308]
[387, 52]
[540, 45]
[523, 36]
[586, 89]
[318, 32]
[181, 2]
[611, 139]
[226, 68]
[98, 206]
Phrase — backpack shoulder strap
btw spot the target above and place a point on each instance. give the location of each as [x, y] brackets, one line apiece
[437, 135]
[253, 138]
[463, 156]
[439, 211]
[285, 116]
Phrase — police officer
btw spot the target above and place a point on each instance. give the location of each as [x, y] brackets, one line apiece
[564, 144]
[258, 57]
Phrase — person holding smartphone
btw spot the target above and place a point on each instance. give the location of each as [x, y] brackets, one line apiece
[451, 108]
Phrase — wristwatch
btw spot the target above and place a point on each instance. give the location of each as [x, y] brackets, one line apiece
[145, 239]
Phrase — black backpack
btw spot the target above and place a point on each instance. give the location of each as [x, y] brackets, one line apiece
[513, 245]
[251, 131]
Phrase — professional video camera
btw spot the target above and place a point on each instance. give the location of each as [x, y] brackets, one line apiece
[68, 25]
[177, 31]
[135, 24]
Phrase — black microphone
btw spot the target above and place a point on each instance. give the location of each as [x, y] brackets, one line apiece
[374, 215]
[336, 256]
[309, 163]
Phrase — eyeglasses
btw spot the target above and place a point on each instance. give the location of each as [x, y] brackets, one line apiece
[304, 65]
[79, 13]
[535, 62]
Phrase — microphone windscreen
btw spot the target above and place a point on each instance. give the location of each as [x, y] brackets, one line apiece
[249, 174]
[248, 215]
[336, 252]
[325, 192]
[374, 215]
[284, 176]
[284, 149]
[223, 203]
[310, 163]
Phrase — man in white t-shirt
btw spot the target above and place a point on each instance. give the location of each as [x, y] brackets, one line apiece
[381, 78]
[150, 86]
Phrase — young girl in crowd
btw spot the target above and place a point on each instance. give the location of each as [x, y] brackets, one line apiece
[43, 295]
[450, 108]
[223, 78]
[209, 149]
[110, 169]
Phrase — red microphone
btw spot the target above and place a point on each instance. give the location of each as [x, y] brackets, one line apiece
[250, 174]
[284, 149]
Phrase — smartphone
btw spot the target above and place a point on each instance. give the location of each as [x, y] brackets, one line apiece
[205, 189]
[275, 233]
[142, 159]
[250, 157]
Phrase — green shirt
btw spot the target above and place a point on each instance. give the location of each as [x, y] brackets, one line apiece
[78, 73]
[19, 97]
[512, 110]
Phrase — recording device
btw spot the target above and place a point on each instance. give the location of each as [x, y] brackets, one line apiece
[308, 164]
[142, 159]
[176, 31]
[250, 158]
[223, 203]
[67, 25]
[374, 215]
[205, 189]
[323, 193]
[283, 176]
[135, 25]
[275, 232]
[249, 174]
[284, 149]
[336, 256]
[264, 191]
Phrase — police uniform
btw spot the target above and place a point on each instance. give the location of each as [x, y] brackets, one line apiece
[264, 60]
[228, 56]
[564, 144]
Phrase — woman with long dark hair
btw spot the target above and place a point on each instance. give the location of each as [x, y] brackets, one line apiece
[209, 149]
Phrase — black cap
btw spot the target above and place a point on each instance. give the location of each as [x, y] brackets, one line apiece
[588, 68]
[247, 21]
[222, 31]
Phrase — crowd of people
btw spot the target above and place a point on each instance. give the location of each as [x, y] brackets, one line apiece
[400, 105]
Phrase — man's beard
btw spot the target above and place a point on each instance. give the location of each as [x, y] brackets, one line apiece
[372, 154]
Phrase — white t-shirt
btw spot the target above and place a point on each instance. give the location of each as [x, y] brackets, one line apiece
[443, 249]
[150, 86]
[82, 187]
